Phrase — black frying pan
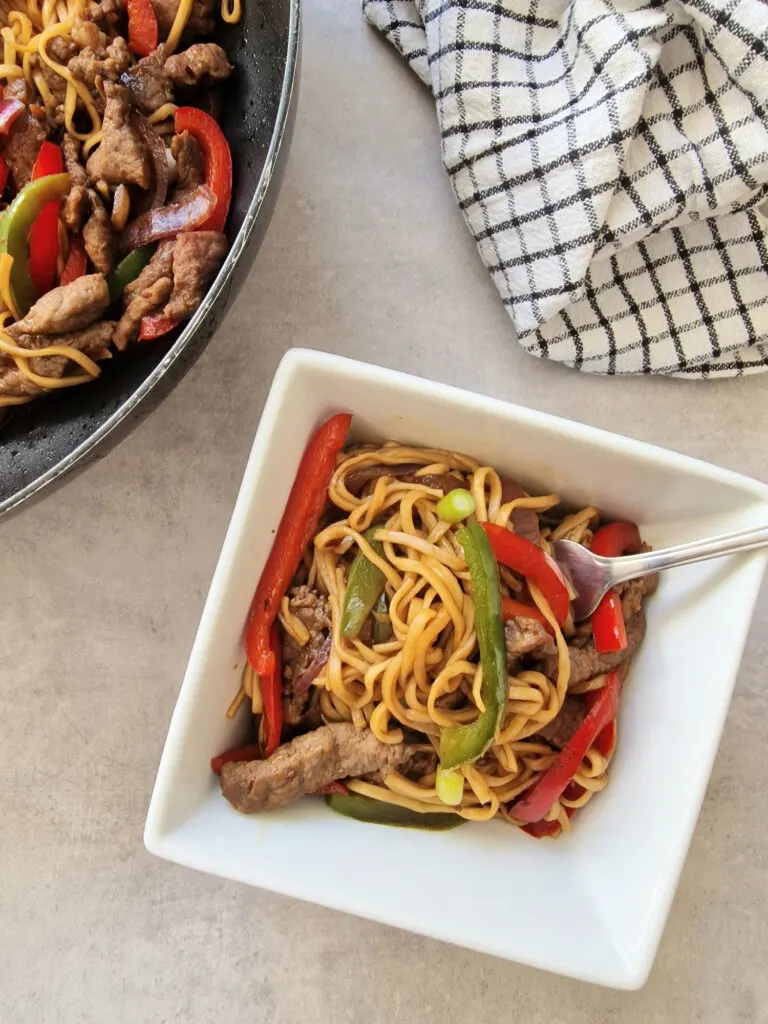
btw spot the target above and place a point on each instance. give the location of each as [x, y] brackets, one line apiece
[55, 435]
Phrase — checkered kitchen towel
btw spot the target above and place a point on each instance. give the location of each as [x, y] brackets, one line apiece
[609, 157]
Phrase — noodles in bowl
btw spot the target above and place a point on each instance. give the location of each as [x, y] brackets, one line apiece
[411, 649]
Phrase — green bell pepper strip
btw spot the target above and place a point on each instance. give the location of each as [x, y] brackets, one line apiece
[365, 585]
[381, 631]
[128, 269]
[15, 226]
[466, 743]
[364, 808]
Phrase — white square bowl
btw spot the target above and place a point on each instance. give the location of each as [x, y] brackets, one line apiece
[591, 905]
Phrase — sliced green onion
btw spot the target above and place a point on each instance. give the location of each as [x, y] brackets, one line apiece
[456, 506]
[449, 786]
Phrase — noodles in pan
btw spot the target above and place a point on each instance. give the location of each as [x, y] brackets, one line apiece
[413, 670]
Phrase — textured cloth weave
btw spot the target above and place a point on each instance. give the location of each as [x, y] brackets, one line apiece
[610, 159]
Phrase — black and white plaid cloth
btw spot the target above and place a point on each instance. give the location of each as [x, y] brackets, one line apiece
[610, 158]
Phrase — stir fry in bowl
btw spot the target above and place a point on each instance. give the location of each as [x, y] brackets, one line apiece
[411, 649]
[116, 181]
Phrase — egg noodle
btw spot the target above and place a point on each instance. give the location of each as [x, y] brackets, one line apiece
[428, 676]
[27, 29]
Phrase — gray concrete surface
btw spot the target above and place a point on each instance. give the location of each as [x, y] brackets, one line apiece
[102, 587]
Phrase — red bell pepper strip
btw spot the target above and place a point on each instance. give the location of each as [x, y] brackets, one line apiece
[272, 695]
[513, 609]
[218, 160]
[544, 829]
[48, 161]
[608, 624]
[142, 27]
[332, 787]
[305, 505]
[250, 752]
[3, 174]
[77, 261]
[44, 233]
[536, 803]
[616, 539]
[156, 325]
[608, 629]
[9, 111]
[523, 556]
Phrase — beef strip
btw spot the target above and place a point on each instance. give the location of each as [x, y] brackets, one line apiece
[148, 83]
[561, 729]
[24, 139]
[200, 62]
[196, 258]
[633, 593]
[190, 166]
[98, 237]
[527, 638]
[586, 663]
[200, 22]
[93, 340]
[67, 308]
[313, 609]
[147, 301]
[70, 149]
[75, 206]
[151, 289]
[122, 157]
[159, 266]
[107, 62]
[306, 764]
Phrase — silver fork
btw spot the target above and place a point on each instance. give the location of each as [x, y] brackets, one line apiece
[592, 575]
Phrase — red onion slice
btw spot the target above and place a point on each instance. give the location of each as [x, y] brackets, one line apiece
[9, 111]
[305, 680]
[168, 221]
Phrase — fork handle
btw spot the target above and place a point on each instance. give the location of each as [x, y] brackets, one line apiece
[629, 567]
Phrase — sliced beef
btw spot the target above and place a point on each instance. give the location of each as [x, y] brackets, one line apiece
[151, 290]
[98, 236]
[200, 21]
[633, 593]
[122, 157]
[107, 62]
[159, 266]
[306, 764]
[149, 85]
[586, 663]
[67, 308]
[313, 609]
[75, 206]
[561, 729]
[147, 301]
[190, 166]
[93, 341]
[70, 149]
[202, 62]
[527, 637]
[24, 139]
[196, 259]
